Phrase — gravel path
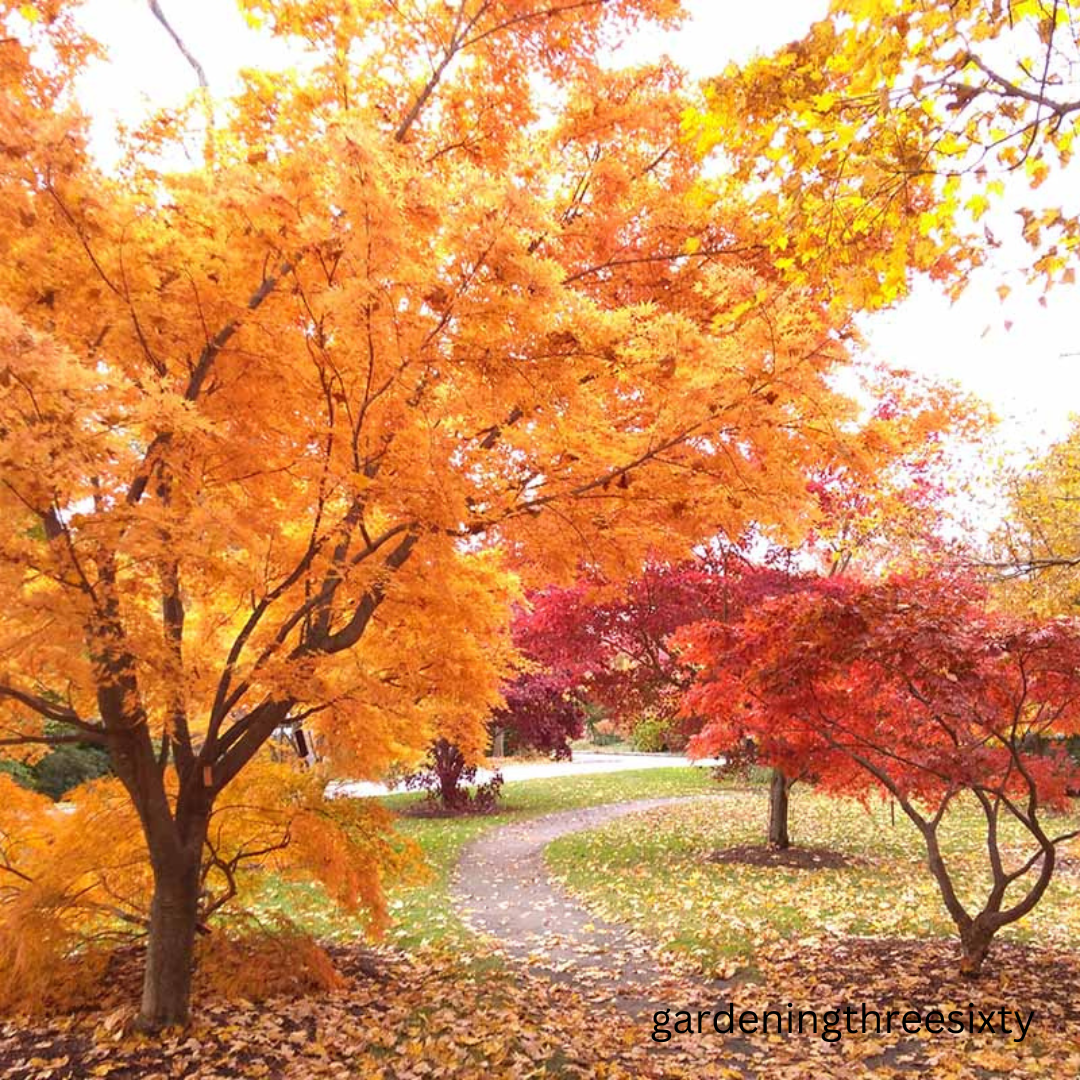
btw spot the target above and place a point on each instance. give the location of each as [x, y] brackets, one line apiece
[503, 890]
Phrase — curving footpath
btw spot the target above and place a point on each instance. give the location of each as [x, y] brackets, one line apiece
[502, 889]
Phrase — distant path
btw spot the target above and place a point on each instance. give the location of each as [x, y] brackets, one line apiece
[582, 763]
[502, 889]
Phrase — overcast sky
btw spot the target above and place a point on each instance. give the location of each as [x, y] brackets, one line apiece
[1030, 374]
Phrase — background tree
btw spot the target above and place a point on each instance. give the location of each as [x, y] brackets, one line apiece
[282, 429]
[451, 782]
[1036, 549]
[914, 686]
[66, 767]
[542, 712]
[902, 518]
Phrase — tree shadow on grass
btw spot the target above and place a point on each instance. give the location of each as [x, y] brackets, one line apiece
[793, 858]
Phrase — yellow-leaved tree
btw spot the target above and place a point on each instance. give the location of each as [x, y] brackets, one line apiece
[1036, 549]
[283, 432]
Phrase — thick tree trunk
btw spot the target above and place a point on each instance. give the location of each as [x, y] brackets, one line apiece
[170, 948]
[778, 811]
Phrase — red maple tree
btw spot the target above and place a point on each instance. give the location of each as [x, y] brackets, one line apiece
[613, 644]
[612, 641]
[915, 686]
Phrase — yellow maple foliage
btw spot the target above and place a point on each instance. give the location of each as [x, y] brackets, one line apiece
[878, 141]
[1037, 546]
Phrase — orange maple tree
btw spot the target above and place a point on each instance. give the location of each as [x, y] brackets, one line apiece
[283, 433]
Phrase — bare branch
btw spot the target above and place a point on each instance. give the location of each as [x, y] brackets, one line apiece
[155, 7]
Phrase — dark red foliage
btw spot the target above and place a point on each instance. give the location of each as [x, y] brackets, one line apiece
[612, 642]
[543, 713]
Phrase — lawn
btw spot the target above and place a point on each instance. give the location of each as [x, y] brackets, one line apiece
[871, 933]
[717, 916]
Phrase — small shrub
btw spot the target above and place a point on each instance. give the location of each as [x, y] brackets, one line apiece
[739, 762]
[650, 736]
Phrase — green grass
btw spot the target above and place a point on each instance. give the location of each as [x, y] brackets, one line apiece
[652, 870]
[422, 914]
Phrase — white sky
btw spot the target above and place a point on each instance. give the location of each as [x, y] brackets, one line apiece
[1026, 373]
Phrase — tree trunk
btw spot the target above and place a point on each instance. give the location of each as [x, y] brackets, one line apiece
[449, 764]
[974, 946]
[498, 743]
[778, 811]
[171, 945]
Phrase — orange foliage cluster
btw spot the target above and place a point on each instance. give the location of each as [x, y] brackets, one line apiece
[274, 961]
[75, 883]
